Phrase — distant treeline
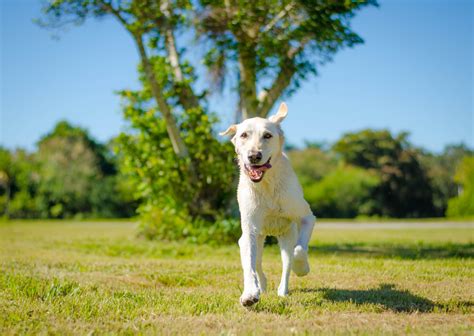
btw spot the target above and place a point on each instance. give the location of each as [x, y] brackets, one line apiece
[367, 173]
[69, 175]
[374, 173]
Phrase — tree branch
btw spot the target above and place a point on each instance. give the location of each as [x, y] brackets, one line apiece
[268, 98]
[281, 82]
[171, 126]
[108, 7]
[177, 142]
[179, 147]
[187, 98]
[278, 17]
[247, 84]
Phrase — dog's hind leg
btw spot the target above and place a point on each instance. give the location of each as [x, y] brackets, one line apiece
[262, 280]
[287, 243]
[306, 229]
[300, 263]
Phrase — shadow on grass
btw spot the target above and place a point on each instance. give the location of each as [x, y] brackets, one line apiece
[383, 298]
[386, 295]
[413, 251]
[389, 298]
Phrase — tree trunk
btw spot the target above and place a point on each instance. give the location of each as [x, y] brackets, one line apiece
[179, 147]
[186, 96]
[261, 106]
[248, 82]
[268, 98]
[177, 142]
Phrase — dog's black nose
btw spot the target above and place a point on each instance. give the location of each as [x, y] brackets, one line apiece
[255, 157]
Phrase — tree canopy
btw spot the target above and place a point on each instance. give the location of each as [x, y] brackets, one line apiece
[263, 48]
[405, 189]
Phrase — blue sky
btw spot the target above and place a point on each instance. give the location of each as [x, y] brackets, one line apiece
[414, 73]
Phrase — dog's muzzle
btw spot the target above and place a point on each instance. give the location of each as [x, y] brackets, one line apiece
[256, 172]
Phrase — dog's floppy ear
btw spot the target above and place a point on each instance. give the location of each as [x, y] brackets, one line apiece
[230, 131]
[280, 115]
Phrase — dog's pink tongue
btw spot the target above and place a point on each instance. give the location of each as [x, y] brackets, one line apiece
[264, 167]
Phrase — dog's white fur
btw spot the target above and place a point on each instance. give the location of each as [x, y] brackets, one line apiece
[275, 206]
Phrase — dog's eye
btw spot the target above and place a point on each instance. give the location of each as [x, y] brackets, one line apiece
[244, 135]
[267, 136]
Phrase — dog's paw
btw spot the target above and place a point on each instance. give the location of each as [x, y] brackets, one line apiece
[300, 261]
[250, 298]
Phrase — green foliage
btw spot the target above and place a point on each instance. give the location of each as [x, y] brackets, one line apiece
[174, 205]
[273, 45]
[69, 169]
[6, 176]
[405, 189]
[272, 39]
[441, 170]
[39, 184]
[170, 224]
[312, 164]
[69, 175]
[76, 176]
[463, 205]
[18, 184]
[344, 192]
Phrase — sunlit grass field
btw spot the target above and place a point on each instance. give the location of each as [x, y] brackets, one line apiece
[98, 278]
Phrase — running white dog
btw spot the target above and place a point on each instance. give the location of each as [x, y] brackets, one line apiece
[271, 203]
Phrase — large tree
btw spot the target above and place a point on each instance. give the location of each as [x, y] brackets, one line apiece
[264, 47]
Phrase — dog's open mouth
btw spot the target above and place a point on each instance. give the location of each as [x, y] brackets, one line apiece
[256, 172]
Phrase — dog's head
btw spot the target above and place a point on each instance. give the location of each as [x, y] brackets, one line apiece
[257, 142]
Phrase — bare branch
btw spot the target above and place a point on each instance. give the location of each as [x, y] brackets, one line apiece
[280, 83]
[108, 7]
[278, 17]
[187, 97]
[267, 98]
[172, 128]
[179, 147]
[247, 83]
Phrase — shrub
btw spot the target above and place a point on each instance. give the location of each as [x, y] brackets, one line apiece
[312, 164]
[463, 205]
[405, 189]
[174, 204]
[344, 193]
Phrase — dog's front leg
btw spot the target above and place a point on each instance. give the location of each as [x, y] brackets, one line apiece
[248, 254]
[262, 280]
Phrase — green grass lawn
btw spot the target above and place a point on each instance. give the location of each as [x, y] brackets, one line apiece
[96, 278]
